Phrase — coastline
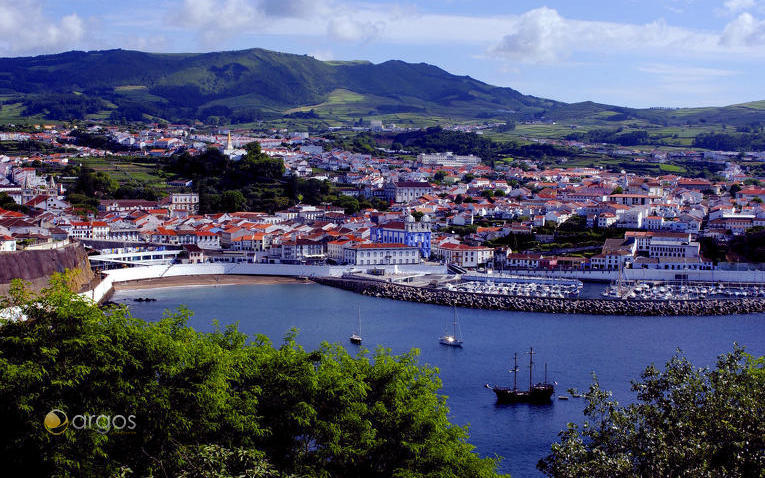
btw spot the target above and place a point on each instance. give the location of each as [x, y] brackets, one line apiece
[204, 280]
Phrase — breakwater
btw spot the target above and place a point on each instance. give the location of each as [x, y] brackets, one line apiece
[427, 295]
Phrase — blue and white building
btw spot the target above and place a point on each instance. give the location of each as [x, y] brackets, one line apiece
[409, 232]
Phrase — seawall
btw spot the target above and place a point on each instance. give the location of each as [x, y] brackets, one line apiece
[36, 266]
[547, 305]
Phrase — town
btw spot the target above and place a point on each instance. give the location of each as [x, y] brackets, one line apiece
[431, 208]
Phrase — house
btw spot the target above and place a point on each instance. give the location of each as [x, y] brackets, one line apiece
[7, 244]
[464, 255]
[517, 260]
[615, 254]
[89, 230]
[405, 191]
[257, 242]
[196, 255]
[300, 250]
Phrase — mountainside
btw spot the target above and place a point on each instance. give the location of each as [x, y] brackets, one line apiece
[250, 85]
[241, 86]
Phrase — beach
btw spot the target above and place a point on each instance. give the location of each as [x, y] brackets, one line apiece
[211, 279]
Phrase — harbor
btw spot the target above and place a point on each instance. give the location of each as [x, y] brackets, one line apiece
[592, 306]
[616, 348]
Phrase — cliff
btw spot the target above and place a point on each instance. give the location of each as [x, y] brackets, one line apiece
[37, 266]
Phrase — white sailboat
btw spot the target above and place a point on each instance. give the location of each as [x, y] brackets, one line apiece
[355, 337]
[453, 340]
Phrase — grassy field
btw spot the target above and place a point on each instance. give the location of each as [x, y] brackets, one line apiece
[126, 171]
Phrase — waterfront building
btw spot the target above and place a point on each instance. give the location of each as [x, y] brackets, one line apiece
[381, 254]
[408, 232]
[300, 250]
[463, 255]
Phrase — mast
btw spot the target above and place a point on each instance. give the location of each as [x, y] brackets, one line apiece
[359, 317]
[454, 324]
[515, 371]
[545, 372]
[531, 365]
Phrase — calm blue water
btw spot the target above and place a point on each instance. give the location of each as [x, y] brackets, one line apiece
[617, 349]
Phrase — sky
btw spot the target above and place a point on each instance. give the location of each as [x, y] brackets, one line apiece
[638, 53]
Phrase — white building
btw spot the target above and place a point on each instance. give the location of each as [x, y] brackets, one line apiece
[463, 255]
[448, 160]
[381, 254]
[184, 204]
[7, 244]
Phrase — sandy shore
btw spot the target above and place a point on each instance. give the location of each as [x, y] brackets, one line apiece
[180, 281]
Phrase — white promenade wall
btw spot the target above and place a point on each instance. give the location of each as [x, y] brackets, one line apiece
[293, 270]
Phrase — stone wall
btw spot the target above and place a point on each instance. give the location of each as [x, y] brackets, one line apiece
[37, 266]
[547, 305]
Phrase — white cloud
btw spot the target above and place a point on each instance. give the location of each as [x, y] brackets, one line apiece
[745, 31]
[685, 72]
[347, 28]
[323, 55]
[215, 19]
[544, 36]
[25, 29]
[735, 6]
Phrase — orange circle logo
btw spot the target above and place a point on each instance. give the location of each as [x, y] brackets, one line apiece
[56, 422]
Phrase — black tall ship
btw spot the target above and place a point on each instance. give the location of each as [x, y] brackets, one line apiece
[537, 393]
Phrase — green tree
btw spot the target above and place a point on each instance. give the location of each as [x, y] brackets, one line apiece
[7, 203]
[686, 422]
[232, 201]
[212, 404]
[618, 190]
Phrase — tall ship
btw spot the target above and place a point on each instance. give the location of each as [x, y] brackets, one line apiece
[453, 339]
[537, 393]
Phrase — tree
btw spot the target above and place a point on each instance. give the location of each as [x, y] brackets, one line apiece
[439, 176]
[686, 422]
[232, 201]
[618, 190]
[7, 203]
[211, 404]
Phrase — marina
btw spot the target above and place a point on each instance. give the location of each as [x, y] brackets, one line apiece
[680, 290]
[509, 285]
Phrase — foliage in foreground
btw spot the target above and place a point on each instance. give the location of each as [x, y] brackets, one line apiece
[212, 404]
[686, 422]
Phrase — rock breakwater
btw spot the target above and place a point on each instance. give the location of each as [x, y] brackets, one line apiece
[427, 295]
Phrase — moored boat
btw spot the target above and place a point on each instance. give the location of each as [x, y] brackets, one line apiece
[537, 393]
[454, 339]
[355, 337]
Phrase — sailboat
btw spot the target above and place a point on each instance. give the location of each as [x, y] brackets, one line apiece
[539, 393]
[355, 337]
[453, 340]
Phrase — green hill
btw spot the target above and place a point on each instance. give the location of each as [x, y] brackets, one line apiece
[241, 86]
[251, 85]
